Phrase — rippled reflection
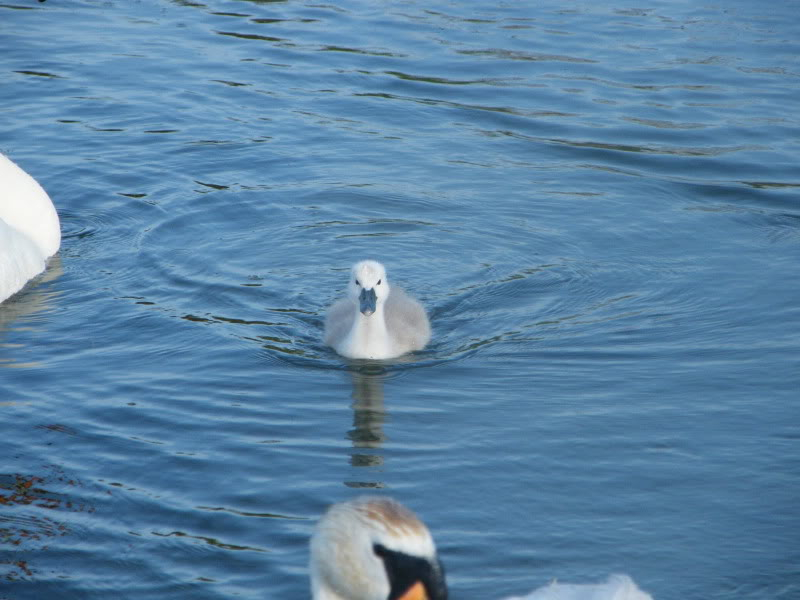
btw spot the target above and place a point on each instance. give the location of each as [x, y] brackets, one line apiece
[20, 308]
[369, 415]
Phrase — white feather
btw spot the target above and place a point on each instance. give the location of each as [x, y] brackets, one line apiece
[29, 228]
[616, 587]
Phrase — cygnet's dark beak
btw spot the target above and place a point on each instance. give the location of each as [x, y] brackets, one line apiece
[367, 300]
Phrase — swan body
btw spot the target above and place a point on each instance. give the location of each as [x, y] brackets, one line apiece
[29, 228]
[373, 548]
[616, 587]
[375, 320]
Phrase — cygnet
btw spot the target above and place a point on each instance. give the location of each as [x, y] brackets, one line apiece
[375, 320]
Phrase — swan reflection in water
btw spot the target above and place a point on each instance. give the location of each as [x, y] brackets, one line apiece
[20, 310]
[369, 415]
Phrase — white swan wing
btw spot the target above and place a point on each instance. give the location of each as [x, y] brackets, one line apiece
[339, 321]
[29, 228]
[616, 587]
[26, 207]
[406, 321]
[20, 260]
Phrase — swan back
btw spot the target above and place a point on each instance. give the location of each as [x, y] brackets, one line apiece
[374, 548]
[29, 228]
[25, 206]
[616, 587]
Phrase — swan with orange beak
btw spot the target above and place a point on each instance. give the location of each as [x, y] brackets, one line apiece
[374, 548]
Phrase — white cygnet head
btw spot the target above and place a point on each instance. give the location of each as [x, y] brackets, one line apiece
[368, 286]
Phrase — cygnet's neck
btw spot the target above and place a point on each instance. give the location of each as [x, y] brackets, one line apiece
[369, 337]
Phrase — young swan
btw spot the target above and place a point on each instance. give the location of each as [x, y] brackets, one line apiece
[29, 228]
[375, 320]
[374, 548]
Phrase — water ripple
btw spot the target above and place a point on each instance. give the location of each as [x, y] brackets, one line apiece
[596, 205]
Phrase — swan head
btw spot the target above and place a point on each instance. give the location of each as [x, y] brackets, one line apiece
[368, 286]
[374, 548]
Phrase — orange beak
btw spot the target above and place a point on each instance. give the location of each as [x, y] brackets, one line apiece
[415, 592]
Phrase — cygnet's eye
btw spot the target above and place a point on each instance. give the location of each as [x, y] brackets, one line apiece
[379, 281]
[358, 284]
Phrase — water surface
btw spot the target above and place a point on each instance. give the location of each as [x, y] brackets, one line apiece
[597, 204]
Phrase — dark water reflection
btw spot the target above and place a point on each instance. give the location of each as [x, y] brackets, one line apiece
[369, 415]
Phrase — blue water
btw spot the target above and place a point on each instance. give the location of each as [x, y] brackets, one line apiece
[597, 204]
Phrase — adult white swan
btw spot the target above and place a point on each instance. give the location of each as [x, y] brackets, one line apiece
[29, 228]
[375, 320]
[373, 548]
